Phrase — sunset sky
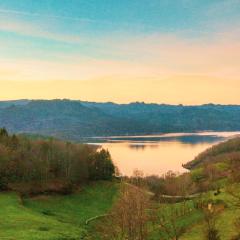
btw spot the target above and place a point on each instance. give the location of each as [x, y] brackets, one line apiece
[164, 51]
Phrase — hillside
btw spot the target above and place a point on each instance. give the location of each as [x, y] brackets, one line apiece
[53, 217]
[226, 152]
[52, 190]
[73, 120]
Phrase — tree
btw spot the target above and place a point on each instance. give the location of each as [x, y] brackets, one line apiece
[211, 232]
[129, 217]
[3, 135]
[101, 166]
[49, 165]
[3, 132]
[137, 178]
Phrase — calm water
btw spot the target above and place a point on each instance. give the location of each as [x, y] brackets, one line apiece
[156, 154]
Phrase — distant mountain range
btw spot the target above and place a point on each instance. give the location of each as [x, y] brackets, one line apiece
[74, 120]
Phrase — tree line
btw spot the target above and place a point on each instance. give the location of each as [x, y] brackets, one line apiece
[50, 162]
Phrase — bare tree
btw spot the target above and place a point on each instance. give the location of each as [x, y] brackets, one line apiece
[211, 232]
[129, 217]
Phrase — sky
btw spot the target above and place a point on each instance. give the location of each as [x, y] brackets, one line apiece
[162, 51]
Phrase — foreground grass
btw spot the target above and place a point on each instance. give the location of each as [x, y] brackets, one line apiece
[93, 200]
[225, 221]
[19, 222]
[224, 225]
[185, 221]
[53, 217]
[63, 217]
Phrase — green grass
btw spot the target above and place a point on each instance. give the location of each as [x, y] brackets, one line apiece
[53, 217]
[185, 221]
[225, 220]
[63, 217]
[20, 223]
[76, 208]
[222, 166]
[224, 225]
[197, 174]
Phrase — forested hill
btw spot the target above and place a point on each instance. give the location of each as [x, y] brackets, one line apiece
[226, 152]
[75, 119]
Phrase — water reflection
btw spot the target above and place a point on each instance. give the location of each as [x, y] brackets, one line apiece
[191, 139]
[137, 146]
[142, 146]
[159, 153]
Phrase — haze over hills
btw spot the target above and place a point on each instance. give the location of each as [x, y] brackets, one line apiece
[73, 120]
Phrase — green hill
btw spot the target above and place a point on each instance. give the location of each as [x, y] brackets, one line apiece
[53, 217]
[224, 152]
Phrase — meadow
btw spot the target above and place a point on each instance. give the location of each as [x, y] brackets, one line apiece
[54, 217]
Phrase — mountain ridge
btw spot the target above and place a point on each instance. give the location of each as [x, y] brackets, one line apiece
[74, 119]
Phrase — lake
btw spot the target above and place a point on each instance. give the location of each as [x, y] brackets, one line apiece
[157, 154]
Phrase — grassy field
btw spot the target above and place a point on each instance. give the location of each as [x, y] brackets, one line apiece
[225, 220]
[53, 217]
[63, 217]
[185, 222]
[224, 225]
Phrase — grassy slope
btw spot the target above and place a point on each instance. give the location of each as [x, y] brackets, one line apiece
[220, 153]
[186, 221]
[18, 222]
[63, 217]
[224, 225]
[224, 222]
[53, 217]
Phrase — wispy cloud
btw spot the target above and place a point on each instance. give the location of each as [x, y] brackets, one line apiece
[191, 64]
[156, 57]
[34, 30]
[34, 14]
[158, 54]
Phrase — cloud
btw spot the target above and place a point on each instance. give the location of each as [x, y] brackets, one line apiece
[29, 29]
[119, 66]
[34, 14]
[37, 70]
[121, 56]
[157, 55]
[219, 56]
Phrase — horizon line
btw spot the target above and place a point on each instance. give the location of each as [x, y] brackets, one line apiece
[117, 103]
